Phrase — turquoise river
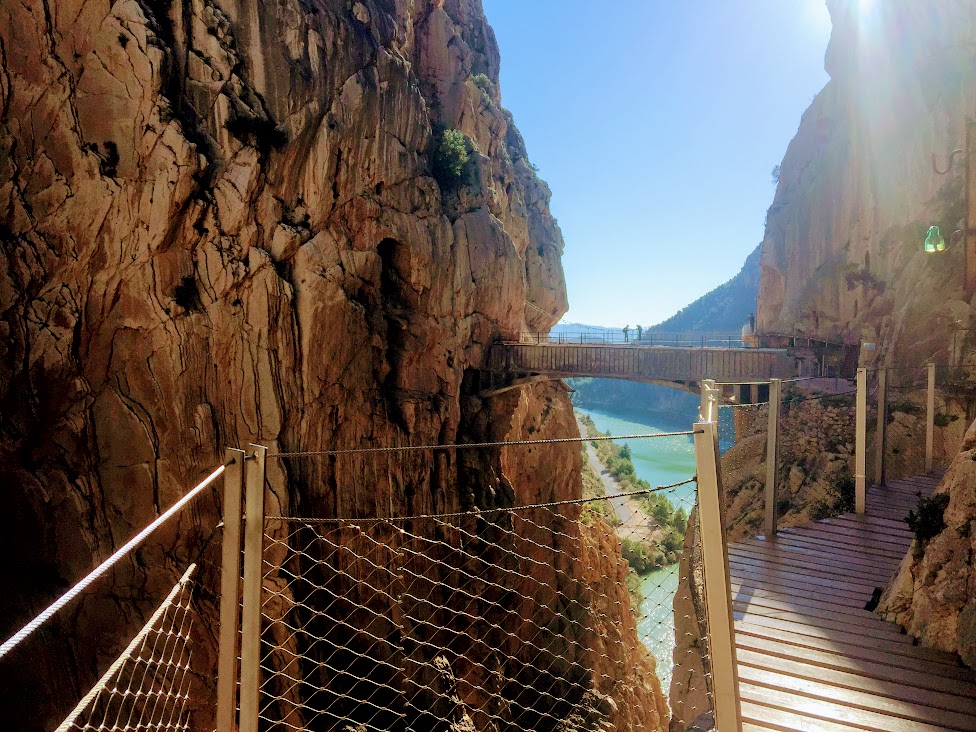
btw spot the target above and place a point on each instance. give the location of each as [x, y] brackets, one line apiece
[659, 461]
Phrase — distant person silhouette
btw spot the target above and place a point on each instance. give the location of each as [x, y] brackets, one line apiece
[626, 331]
[640, 332]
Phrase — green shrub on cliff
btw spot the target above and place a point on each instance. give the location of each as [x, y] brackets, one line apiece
[484, 83]
[451, 158]
[929, 520]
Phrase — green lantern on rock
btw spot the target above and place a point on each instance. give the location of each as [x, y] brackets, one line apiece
[934, 241]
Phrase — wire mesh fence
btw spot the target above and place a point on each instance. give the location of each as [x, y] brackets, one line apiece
[530, 618]
[904, 441]
[814, 456]
[743, 437]
[147, 687]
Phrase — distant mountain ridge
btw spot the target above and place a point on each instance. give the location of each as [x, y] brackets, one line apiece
[727, 307]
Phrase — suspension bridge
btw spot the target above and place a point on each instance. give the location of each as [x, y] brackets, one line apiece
[508, 617]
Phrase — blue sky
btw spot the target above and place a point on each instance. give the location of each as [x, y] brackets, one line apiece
[656, 124]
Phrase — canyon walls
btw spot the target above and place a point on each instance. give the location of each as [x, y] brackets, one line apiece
[299, 224]
[842, 253]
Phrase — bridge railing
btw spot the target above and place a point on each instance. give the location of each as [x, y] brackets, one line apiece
[715, 339]
[664, 364]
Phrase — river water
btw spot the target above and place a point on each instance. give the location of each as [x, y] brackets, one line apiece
[659, 461]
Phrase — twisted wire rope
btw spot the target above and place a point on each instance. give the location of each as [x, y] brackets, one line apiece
[474, 445]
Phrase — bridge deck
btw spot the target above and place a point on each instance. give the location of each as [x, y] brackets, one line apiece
[643, 363]
[810, 657]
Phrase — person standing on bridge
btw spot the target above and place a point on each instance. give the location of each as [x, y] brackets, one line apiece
[640, 332]
[626, 331]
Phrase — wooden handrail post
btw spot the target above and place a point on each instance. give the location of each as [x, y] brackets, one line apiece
[882, 428]
[930, 419]
[860, 439]
[230, 579]
[251, 612]
[718, 594]
[772, 457]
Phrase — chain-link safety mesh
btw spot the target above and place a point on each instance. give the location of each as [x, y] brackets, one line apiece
[742, 438]
[814, 456]
[147, 687]
[518, 619]
[815, 471]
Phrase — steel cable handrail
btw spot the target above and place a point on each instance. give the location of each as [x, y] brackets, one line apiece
[481, 511]
[471, 445]
[46, 614]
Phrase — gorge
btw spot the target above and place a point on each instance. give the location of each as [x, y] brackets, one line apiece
[226, 222]
[303, 224]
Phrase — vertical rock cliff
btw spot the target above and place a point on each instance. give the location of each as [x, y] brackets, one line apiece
[842, 254]
[230, 221]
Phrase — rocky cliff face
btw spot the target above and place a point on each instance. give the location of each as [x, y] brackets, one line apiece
[221, 224]
[934, 595]
[842, 254]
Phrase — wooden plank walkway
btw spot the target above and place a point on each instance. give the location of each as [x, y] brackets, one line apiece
[810, 657]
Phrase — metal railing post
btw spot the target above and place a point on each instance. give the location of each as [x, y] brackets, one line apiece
[230, 579]
[772, 456]
[718, 594]
[860, 439]
[708, 404]
[930, 419]
[251, 612]
[882, 428]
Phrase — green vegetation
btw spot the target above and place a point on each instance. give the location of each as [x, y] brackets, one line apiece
[484, 83]
[451, 158]
[673, 523]
[841, 502]
[944, 419]
[593, 488]
[639, 557]
[929, 520]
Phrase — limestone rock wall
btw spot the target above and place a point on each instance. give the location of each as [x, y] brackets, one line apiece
[934, 595]
[842, 254]
[220, 225]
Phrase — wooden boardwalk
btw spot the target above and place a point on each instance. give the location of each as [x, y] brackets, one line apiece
[810, 657]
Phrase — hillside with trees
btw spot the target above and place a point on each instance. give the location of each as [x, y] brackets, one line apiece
[726, 307]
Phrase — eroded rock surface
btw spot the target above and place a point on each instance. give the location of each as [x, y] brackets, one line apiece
[842, 254]
[220, 225]
[934, 595]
